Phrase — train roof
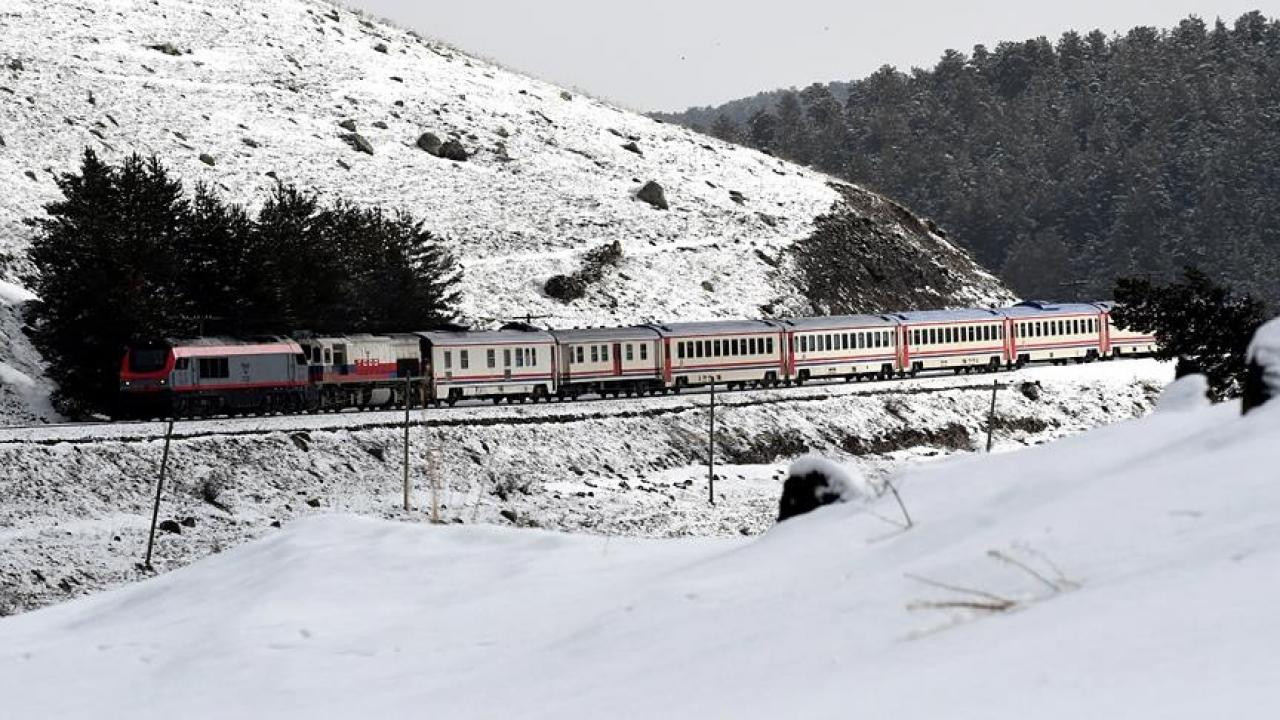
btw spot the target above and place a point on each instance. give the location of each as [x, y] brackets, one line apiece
[714, 327]
[1039, 308]
[212, 346]
[605, 334]
[943, 316]
[485, 337]
[839, 322]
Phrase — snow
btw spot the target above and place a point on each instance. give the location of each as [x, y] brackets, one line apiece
[11, 294]
[1126, 572]
[1189, 392]
[77, 499]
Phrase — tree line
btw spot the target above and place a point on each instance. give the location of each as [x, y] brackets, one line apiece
[1064, 166]
[128, 257]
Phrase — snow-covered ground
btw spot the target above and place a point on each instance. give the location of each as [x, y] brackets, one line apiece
[77, 500]
[1126, 572]
[260, 87]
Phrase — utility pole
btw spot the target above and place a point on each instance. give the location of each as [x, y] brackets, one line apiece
[991, 415]
[155, 509]
[408, 384]
[711, 447]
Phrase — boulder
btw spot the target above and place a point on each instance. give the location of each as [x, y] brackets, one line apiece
[358, 142]
[380, 125]
[207, 159]
[813, 482]
[429, 142]
[170, 526]
[453, 150]
[166, 48]
[632, 147]
[737, 197]
[653, 194]
[381, 47]
[1262, 370]
[348, 125]
[1188, 392]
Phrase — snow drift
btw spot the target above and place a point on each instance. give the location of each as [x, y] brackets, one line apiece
[1127, 572]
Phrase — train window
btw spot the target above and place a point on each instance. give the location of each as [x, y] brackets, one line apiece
[630, 353]
[604, 353]
[697, 348]
[519, 357]
[214, 368]
[464, 359]
[506, 357]
[579, 352]
[680, 350]
[595, 353]
[768, 345]
[315, 355]
[715, 348]
[644, 352]
[889, 340]
[491, 358]
[533, 357]
[751, 346]
[827, 344]
[182, 364]
[733, 346]
[448, 359]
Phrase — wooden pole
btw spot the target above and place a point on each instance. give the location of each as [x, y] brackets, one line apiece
[991, 415]
[408, 388]
[711, 448]
[155, 509]
[432, 467]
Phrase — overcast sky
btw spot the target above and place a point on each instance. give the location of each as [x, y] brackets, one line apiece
[670, 54]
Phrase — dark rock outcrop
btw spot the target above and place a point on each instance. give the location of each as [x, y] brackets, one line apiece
[653, 194]
[358, 142]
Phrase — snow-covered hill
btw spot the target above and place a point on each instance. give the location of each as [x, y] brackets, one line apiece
[77, 500]
[259, 88]
[1128, 572]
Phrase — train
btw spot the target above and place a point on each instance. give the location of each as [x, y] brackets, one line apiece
[199, 377]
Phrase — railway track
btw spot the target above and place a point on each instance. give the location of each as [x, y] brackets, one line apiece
[484, 414]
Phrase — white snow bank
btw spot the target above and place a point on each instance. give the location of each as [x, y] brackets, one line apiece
[11, 294]
[1128, 572]
[1189, 392]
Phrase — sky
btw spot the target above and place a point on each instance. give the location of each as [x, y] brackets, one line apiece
[672, 54]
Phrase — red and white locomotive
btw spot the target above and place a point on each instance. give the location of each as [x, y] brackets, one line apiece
[216, 376]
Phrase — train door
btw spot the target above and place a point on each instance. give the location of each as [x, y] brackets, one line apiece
[1104, 328]
[667, 375]
[617, 359]
[904, 348]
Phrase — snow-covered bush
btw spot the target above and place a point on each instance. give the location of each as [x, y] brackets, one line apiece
[813, 482]
[1262, 376]
[1188, 392]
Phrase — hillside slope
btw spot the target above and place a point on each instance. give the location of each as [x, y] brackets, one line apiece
[1128, 572]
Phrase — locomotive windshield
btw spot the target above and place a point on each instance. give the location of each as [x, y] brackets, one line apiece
[146, 361]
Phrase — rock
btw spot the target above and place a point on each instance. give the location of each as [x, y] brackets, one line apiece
[358, 142]
[250, 142]
[510, 515]
[170, 526]
[429, 142]
[275, 523]
[1262, 369]
[397, 78]
[1030, 390]
[380, 125]
[348, 125]
[633, 147]
[378, 453]
[811, 483]
[503, 133]
[1, 141]
[271, 174]
[344, 164]
[399, 103]
[314, 502]
[381, 47]
[31, 174]
[708, 286]
[207, 159]
[566, 95]
[1189, 392]
[565, 288]
[187, 522]
[453, 150]
[737, 197]
[166, 48]
[16, 65]
[653, 194]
